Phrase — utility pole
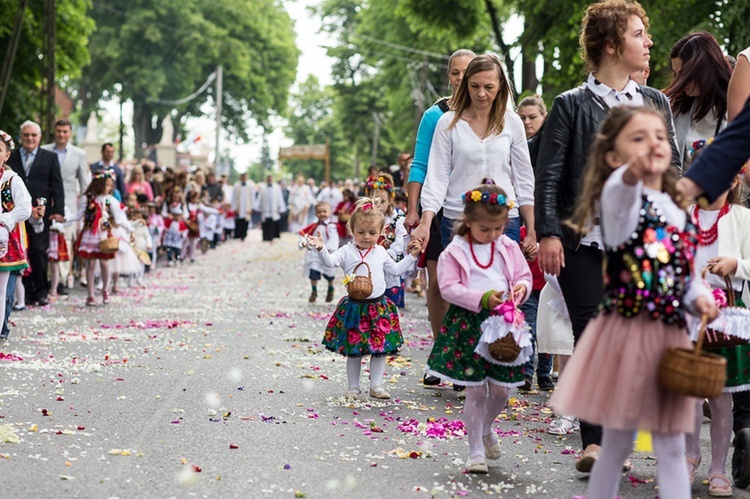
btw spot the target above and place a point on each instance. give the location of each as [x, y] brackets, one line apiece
[10, 54]
[219, 89]
[48, 73]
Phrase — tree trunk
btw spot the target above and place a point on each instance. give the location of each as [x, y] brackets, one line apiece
[529, 79]
[504, 48]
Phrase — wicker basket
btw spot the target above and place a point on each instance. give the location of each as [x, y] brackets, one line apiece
[693, 372]
[344, 217]
[109, 245]
[717, 339]
[360, 288]
[505, 349]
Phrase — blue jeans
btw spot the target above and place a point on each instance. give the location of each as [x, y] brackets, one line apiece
[544, 366]
[10, 297]
[512, 229]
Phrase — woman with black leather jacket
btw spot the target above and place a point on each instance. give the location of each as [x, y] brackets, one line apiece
[615, 43]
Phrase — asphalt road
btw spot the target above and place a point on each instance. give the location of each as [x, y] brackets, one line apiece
[212, 383]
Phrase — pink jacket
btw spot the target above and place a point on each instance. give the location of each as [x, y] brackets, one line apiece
[453, 273]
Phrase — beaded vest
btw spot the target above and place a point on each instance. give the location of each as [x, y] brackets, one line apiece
[650, 272]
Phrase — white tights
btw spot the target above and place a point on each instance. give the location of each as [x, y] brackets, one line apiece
[354, 368]
[721, 433]
[483, 404]
[672, 472]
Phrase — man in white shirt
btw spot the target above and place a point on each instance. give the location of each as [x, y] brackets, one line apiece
[330, 194]
[270, 203]
[242, 205]
[76, 177]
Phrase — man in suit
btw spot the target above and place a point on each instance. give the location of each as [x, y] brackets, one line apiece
[108, 163]
[40, 171]
[75, 177]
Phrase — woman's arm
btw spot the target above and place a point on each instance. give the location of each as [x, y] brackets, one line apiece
[418, 170]
[739, 87]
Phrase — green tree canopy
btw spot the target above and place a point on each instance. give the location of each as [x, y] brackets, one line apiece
[164, 50]
[24, 100]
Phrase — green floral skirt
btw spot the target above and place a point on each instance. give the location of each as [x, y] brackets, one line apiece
[738, 367]
[453, 358]
[367, 327]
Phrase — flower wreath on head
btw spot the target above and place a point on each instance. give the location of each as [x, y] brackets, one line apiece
[475, 196]
[7, 138]
[697, 145]
[103, 174]
[379, 182]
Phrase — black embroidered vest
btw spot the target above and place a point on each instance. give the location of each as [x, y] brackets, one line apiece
[650, 272]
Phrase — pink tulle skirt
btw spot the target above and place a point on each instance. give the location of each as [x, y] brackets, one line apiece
[611, 379]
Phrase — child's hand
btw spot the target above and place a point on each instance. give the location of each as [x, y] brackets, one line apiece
[315, 241]
[722, 266]
[38, 211]
[414, 247]
[531, 252]
[707, 306]
[496, 299]
[519, 293]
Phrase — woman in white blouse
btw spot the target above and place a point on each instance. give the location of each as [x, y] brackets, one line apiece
[480, 137]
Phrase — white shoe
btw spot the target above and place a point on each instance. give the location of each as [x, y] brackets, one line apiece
[477, 465]
[377, 392]
[352, 393]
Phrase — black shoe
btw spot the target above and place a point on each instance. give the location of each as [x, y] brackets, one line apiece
[741, 459]
[526, 387]
[16, 308]
[458, 388]
[430, 380]
[42, 301]
[62, 290]
[545, 384]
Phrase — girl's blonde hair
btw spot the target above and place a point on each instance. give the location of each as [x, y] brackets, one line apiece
[462, 100]
[598, 170]
[365, 209]
[493, 204]
[381, 182]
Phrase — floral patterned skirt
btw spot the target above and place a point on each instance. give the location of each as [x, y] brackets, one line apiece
[453, 357]
[367, 327]
[396, 294]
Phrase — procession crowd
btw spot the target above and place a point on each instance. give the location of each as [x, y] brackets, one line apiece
[594, 231]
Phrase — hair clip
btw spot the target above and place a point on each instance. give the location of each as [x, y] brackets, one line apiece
[366, 206]
[475, 196]
[7, 139]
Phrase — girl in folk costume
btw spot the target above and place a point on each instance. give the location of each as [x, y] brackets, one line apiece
[175, 234]
[156, 227]
[227, 221]
[194, 220]
[480, 270]
[343, 211]
[16, 208]
[366, 325]
[611, 379]
[126, 261]
[100, 212]
[143, 243]
[56, 252]
[381, 188]
[313, 268]
[724, 248]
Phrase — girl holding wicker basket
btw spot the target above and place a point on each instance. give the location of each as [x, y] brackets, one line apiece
[481, 271]
[100, 212]
[365, 321]
[724, 252]
[612, 377]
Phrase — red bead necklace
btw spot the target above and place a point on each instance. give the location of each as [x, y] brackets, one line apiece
[474, 256]
[708, 237]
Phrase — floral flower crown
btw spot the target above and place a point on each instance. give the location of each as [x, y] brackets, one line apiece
[697, 145]
[8, 139]
[486, 197]
[102, 174]
[381, 183]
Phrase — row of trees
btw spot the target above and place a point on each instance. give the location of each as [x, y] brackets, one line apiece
[391, 60]
[153, 51]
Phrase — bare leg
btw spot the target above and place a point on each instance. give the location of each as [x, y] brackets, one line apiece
[90, 280]
[104, 267]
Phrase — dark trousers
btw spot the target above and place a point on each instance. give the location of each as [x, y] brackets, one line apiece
[240, 228]
[36, 284]
[741, 411]
[271, 229]
[582, 286]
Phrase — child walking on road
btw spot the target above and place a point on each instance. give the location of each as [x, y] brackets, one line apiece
[479, 270]
[611, 379]
[368, 326]
[313, 268]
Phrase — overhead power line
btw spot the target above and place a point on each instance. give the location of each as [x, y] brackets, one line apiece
[190, 97]
[403, 47]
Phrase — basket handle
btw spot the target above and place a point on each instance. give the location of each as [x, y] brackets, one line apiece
[731, 299]
[369, 273]
[701, 336]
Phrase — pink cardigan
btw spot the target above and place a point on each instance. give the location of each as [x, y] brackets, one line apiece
[453, 273]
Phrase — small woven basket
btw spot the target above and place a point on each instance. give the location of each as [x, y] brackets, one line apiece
[693, 372]
[717, 339]
[360, 288]
[109, 245]
[344, 217]
[505, 349]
